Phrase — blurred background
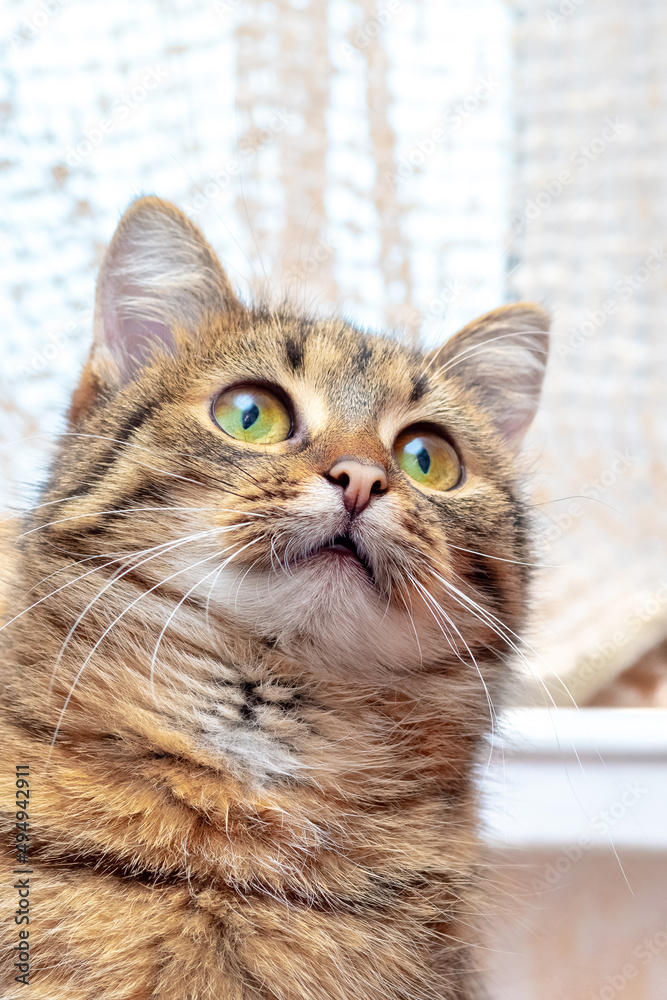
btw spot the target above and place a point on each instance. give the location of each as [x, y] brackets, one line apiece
[413, 163]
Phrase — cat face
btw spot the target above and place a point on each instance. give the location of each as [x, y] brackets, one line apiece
[328, 492]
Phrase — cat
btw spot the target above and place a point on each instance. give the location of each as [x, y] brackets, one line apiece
[255, 634]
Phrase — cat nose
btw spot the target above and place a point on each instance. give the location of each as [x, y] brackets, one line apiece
[358, 481]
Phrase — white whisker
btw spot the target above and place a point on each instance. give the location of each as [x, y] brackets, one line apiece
[474, 350]
[134, 510]
[217, 569]
[88, 658]
[78, 579]
[165, 549]
[516, 562]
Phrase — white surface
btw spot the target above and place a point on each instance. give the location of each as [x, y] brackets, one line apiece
[568, 779]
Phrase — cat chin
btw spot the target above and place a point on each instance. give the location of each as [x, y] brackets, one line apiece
[328, 611]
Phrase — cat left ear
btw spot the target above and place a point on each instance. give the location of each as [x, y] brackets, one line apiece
[502, 357]
[158, 282]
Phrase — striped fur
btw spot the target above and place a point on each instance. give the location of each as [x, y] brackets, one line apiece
[253, 767]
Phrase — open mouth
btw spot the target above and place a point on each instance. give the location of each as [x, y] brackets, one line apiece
[346, 546]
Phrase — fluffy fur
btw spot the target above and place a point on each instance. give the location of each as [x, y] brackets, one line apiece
[253, 761]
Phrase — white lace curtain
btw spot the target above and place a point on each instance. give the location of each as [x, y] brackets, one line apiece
[409, 162]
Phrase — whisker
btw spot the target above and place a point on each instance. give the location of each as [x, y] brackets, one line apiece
[167, 452]
[474, 350]
[133, 510]
[37, 506]
[414, 629]
[77, 562]
[493, 716]
[444, 628]
[474, 608]
[500, 629]
[425, 592]
[116, 579]
[213, 583]
[516, 562]
[141, 596]
[77, 579]
[150, 451]
[238, 589]
[217, 569]
[575, 496]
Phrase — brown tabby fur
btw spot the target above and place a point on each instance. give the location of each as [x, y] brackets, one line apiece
[279, 803]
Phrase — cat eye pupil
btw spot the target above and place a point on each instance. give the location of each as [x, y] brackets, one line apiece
[422, 457]
[424, 460]
[253, 415]
[428, 458]
[250, 415]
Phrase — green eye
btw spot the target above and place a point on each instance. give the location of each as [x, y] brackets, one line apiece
[251, 414]
[428, 459]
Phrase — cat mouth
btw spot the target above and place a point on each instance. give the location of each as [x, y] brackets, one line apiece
[346, 548]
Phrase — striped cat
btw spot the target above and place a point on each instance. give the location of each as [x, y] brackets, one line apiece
[255, 633]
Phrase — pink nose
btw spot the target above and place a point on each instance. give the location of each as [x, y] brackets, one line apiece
[359, 482]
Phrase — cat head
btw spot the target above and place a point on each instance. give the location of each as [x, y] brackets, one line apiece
[325, 491]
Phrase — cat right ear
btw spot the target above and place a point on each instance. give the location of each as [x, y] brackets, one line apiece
[501, 357]
[158, 283]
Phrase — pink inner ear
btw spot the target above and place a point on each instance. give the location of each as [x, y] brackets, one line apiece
[133, 341]
[514, 424]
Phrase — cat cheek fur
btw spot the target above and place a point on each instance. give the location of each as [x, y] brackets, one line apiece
[254, 757]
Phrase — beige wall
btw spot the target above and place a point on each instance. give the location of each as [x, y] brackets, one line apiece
[598, 932]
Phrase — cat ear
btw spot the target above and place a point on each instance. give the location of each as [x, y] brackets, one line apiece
[158, 282]
[502, 357]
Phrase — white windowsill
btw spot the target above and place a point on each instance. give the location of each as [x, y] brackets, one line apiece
[562, 777]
